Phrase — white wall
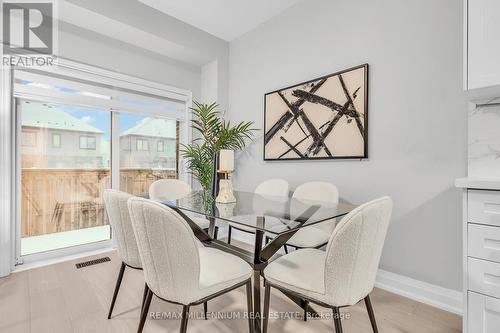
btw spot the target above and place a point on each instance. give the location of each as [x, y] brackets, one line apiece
[209, 88]
[214, 82]
[97, 50]
[417, 115]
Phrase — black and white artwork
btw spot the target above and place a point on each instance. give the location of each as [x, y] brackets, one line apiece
[325, 118]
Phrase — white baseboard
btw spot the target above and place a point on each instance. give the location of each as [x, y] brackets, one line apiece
[439, 297]
[58, 258]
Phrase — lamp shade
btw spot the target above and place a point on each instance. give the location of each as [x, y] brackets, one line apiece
[226, 160]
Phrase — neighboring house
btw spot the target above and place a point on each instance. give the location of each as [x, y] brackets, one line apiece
[151, 144]
[52, 138]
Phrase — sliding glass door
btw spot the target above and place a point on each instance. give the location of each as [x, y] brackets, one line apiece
[64, 167]
[76, 137]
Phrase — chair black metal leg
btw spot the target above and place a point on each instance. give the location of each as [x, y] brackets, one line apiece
[306, 307]
[267, 296]
[369, 308]
[216, 232]
[117, 288]
[146, 289]
[184, 319]
[249, 305]
[205, 310]
[268, 239]
[286, 249]
[229, 235]
[145, 293]
[337, 320]
[259, 238]
[145, 311]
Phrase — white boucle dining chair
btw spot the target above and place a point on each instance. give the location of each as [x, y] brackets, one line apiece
[176, 270]
[173, 189]
[342, 275]
[275, 187]
[317, 235]
[115, 203]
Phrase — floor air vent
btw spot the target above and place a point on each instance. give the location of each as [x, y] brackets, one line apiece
[92, 262]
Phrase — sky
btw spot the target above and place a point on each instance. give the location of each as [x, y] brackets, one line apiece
[102, 119]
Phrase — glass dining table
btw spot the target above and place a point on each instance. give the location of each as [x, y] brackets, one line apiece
[278, 217]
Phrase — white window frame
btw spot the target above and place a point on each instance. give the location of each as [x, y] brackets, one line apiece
[142, 142]
[162, 144]
[86, 141]
[54, 135]
[7, 166]
[10, 217]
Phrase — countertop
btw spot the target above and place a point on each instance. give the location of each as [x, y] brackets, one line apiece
[478, 183]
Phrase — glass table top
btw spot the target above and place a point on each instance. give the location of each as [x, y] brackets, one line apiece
[266, 213]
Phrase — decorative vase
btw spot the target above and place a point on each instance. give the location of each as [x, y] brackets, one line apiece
[225, 192]
[226, 210]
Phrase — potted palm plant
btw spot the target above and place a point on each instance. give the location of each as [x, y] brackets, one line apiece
[214, 133]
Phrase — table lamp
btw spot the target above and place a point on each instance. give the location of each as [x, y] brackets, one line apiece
[226, 167]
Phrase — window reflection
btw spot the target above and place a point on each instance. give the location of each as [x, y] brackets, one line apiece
[149, 149]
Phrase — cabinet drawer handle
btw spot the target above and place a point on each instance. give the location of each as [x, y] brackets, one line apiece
[492, 279]
[493, 244]
[492, 306]
[492, 208]
[493, 312]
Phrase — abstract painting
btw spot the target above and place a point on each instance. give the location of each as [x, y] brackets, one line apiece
[325, 118]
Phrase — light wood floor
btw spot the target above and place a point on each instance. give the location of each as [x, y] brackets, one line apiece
[61, 298]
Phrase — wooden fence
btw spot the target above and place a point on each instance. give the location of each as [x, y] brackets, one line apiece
[55, 200]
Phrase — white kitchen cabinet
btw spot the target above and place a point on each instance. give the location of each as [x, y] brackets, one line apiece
[484, 242]
[481, 256]
[484, 277]
[484, 207]
[484, 314]
[482, 43]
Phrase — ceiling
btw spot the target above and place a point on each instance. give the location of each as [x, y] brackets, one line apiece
[226, 19]
[138, 28]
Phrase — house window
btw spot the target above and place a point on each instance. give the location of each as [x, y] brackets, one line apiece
[56, 140]
[87, 142]
[142, 144]
[125, 144]
[161, 147]
[28, 139]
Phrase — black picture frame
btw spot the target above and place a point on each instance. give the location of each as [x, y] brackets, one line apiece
[268, 134]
